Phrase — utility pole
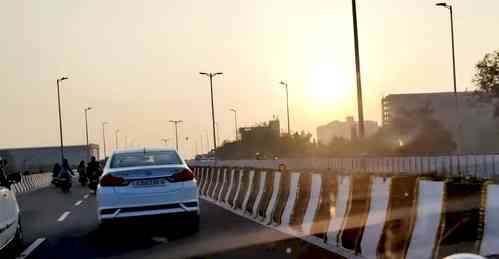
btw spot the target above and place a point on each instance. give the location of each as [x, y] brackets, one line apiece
[86, 130]
[287, 104]
[456, 101]
[176, 122]
[360, 106]
[211, 75]
[60, 116]
[104, 137]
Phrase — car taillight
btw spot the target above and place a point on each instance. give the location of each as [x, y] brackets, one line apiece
[111, 180]
[182, 176]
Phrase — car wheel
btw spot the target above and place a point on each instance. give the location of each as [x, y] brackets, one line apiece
[193, 224]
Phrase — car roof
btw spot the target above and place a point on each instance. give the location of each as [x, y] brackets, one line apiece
[136, 150]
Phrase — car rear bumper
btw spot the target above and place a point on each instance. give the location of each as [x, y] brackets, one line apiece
[115, 213]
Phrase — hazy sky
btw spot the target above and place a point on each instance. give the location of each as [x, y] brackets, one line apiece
[137, 62]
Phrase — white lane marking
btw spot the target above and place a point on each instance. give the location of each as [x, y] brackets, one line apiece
[63, 216]
[31, 248]
[85, 196]
[78, 203]
[163, 240]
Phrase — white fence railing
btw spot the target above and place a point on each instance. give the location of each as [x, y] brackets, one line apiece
[483, 166]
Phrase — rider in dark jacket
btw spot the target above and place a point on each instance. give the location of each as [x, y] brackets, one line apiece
[94, 170]
[66, 171]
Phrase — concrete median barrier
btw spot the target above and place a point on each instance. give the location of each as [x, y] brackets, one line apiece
[32, 182]
[357, 215]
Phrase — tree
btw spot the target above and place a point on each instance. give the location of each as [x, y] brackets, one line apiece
[419, 133]
[486, 79]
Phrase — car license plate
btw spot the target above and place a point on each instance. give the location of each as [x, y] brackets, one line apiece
[149, 182]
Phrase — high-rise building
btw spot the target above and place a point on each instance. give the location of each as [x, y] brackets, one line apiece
[473, 126]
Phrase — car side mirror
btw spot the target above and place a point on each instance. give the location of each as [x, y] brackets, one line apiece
[14, 178]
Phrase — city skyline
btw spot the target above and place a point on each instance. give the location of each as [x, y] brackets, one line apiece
[137, 63]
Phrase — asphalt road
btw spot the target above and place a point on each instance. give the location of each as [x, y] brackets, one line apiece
[65, 224]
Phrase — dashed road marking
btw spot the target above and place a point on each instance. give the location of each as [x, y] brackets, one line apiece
[160, 239]
[78, 203]
[63, 216]
[85, 196]
[31, 248]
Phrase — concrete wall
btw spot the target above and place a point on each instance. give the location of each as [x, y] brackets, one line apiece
[36, 158]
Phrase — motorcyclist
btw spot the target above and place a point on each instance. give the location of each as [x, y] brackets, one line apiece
[82, 173]
[56, 170]
[3, 173]
[94, 170]
[66, 171]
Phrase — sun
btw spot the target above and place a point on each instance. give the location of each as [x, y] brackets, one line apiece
[328, 83]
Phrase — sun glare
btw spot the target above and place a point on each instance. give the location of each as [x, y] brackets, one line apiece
[328, 83]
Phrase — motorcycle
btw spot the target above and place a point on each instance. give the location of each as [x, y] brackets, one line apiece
[63, 183]
[93, 184]
[83, 180]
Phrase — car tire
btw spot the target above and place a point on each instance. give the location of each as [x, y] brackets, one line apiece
[193, 224]
[18, 239]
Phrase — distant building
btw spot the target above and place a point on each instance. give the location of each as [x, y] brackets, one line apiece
[43, 158]
[479, 128]
[266, 131]
[344, 129]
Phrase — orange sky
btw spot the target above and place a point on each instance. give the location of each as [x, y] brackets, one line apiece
[137, 62]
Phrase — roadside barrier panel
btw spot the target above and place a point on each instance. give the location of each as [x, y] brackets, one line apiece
[357, 211]
[221, 185]
[254, 191]
[327, 201]
[489, 244]
[32, 182]
[215, 184]
[462, 219]
[268, 190]
[238, 179]
[249, 189]
[260, 189]
[302, 199]
[209, 180]
[400, 218]
[290, 203]
[428, 218]
[245, 186]
[282, 198]
[336, 222]
[230, 185]
[276, 183]
[380, 191]
[312, 204]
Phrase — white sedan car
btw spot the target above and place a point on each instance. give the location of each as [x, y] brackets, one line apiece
[147, 183]
[10, 224]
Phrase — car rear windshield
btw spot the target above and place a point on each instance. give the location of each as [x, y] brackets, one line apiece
[145, 159]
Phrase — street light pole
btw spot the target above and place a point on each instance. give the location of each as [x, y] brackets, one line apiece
[116, 138]
[211, 75]
[104, 137]
[176, 122]
[86, 130]
[360, 106]
[60, 116]
[218, 131]
[445, 5]
[285, 84]
[235, 120]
